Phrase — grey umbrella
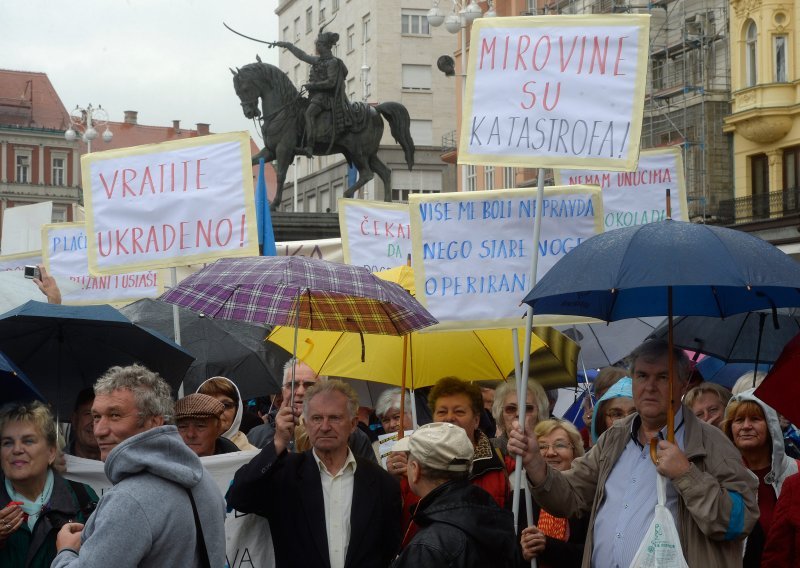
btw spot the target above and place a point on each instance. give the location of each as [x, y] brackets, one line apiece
[750, 337]
[227, 348]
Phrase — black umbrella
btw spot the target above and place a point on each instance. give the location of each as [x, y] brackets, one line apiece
[64, 349]
[227, 348]
[750, 337]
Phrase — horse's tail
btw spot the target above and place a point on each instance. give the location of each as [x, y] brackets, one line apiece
[400, 124]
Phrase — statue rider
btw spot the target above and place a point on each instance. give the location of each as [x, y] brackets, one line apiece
[326, 88]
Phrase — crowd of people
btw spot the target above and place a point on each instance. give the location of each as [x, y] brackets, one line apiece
[442, 495]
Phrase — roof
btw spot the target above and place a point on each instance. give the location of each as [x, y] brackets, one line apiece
[28, 100]
[127, 135]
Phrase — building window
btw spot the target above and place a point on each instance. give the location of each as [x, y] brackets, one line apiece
[365, 29]
[759, 184]
[422, 132]
[286, 34]
[509, 177]
[309, 19]
[335, 6]
[791, 179]
[417, 77]
[338, 193]
[59, 170]
[321, 11]
[297, 29]
[780, 59]
[325, 200]
[297, 74]
[23, 168]
[351, 38]
[59, 213]
[351, 88]
[488, 177]
[750, 57]
[470, 182]
[414, 22]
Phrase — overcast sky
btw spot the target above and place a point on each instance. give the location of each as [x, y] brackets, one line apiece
[166, 59]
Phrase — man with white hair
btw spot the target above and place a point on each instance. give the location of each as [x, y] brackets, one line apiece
[304, 378]
[460, 525]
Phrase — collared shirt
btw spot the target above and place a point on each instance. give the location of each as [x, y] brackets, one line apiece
[626, 512]
[337, 492]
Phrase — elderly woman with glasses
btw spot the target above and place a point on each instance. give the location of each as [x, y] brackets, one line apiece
[36, 501]
[505, 410]
[555, 541]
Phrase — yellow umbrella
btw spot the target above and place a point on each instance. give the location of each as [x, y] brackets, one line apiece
[471, 355]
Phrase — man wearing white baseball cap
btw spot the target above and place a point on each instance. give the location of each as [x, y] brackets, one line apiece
[460, 525]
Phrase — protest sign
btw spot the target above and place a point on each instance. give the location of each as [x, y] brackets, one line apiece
[21, 226]
[170, 204]
[20, 260]
[472, 251]
[375, 235]
[248, 538]
[324, 249]
[565, 91]
[64, 253]
[638, 197]
[386, 442]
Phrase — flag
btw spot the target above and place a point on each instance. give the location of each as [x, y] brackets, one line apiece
[266, 236]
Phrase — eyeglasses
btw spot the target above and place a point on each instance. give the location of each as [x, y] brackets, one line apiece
[512, 409]
[297, 384]
[558, 447]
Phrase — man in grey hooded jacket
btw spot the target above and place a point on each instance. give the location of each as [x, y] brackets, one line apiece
[148, 517]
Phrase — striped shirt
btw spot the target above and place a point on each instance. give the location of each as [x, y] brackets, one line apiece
[625, 514]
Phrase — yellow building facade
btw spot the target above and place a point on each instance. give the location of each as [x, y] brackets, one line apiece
[765, 114]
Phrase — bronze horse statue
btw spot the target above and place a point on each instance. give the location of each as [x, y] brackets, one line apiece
[283, 123]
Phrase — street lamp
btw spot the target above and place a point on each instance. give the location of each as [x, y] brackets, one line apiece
[459, 19]
[83, 122]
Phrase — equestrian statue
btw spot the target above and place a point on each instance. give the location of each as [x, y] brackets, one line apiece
[322, 123]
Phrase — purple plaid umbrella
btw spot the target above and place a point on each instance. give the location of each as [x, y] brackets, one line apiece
[300, 292]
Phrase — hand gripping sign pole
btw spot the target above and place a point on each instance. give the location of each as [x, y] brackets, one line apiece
[522, 378]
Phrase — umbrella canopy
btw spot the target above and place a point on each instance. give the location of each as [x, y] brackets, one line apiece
[232, 349]
[64, 349]
[604, 344]
[781, 387]
[470, 354]
[302, 292]
[718, 371]
[625, 273]
[751, 337]
[14, 385]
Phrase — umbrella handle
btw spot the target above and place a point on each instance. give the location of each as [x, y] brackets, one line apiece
[653, 448]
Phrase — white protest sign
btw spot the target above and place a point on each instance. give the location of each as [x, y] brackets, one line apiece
[170, 204]
[386, 442]
[248, 538]
[324, 249]
[65, 248]
[375, 235]
[555, 91]
[20, 260]
[21, 227]
[473, 250]
[638, 197]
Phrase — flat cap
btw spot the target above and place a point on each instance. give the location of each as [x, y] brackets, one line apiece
[198, 406]
[439, 445]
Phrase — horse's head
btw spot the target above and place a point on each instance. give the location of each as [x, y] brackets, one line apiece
[247, 90]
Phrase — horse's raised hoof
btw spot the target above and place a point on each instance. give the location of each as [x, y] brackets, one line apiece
[307, 151]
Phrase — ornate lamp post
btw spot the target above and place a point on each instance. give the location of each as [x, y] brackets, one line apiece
[461, 17]
[83, 122]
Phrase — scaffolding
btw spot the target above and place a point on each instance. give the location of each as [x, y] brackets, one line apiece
[688, 88]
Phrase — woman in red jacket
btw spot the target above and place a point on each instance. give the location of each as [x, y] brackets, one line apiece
[783, 543]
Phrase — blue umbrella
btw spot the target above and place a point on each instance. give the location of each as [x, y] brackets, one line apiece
[726, 374]
[64, 349]
[668, 268]
[14, 385]
[627, 273]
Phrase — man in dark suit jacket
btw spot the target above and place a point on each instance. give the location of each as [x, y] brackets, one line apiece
[326, 508]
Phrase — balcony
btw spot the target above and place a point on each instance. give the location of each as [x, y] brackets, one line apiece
[760, 207]
[449, 142]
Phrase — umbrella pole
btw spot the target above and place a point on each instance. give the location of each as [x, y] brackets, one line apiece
[671, 370]
[402, 429]
[176, 318]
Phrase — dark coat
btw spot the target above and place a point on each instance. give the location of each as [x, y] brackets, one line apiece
[287, 490]
[461, 526]
[26, 549]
